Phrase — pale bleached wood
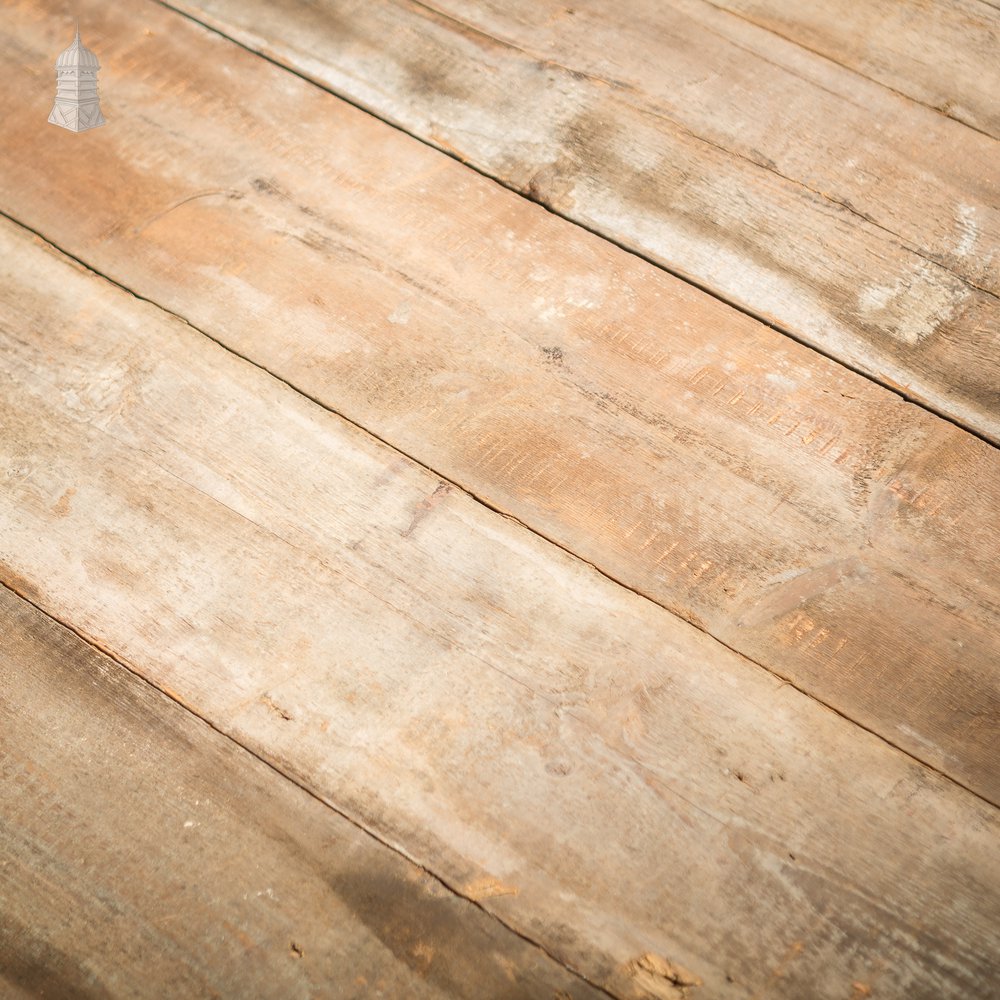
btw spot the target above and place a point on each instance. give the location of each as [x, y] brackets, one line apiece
[145, 855]
[799, 513]
[859, 221]
[943, 54]
[606, 778]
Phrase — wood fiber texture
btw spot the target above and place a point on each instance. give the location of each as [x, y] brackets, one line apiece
[942, 54]
[807, 518]
[145, 855]
[853, 217]
[407, 591]
[608, 780]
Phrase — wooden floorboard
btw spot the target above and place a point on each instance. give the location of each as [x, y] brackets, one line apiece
[408, 591]
[802, 515]
[647, 806]
[942, 54]
[143, 854]
[857, 220]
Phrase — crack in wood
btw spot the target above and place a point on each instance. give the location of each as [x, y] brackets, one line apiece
[454, 890]
[533, 193]
[944, 112]
[444, 480]
[647, 257]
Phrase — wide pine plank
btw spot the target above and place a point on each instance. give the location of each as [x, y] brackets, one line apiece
[856, 219]
[943, 54]
[796, 511]
[652, 809]
[145, 855]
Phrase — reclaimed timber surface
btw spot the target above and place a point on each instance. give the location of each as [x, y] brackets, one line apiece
[143, 854]
[943, 54]
[856, 219]
[649, 807]
[808, 518]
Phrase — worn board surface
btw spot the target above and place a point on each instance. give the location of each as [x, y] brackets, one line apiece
[943, 54]
[142, 854]
[855, 218]
[607, 779]
[811, 520]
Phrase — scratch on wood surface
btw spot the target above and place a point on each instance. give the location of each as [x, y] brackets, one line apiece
[270, 703]
[425, 506]
[183, 201]
[488, 887]
[969, 231]
[788, 591]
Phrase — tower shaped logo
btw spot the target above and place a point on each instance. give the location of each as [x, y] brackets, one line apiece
[77, 105]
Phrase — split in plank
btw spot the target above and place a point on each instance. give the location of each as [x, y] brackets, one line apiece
[146, 855]
[861, 222]
[611, 782]
[811, 520]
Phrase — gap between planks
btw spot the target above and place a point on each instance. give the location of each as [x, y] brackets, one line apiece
[355, 822]
[477, 499]
[465, 27]
[895, 389]
[851, 69]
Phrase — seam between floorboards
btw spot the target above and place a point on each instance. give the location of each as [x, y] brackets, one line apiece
[499, 511]
[640, 254]
[850, 69]
[630, 92]
[104, 651]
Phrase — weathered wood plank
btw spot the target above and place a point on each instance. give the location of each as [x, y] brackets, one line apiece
[608, 779]
[864, 224]
[797, 512]
[943, 54]
[144, 855]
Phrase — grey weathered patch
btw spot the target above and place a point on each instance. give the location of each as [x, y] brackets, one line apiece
[915, 305]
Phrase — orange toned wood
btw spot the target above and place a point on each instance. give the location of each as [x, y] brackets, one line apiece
[807, 518]
[652, 809]
[857, 220]
[145, 855]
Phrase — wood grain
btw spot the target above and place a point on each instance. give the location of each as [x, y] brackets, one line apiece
[805, 517]
[942, 54]
[651, 808]
[145, 855]
[859, 221]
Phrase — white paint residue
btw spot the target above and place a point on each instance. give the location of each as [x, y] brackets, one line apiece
[719, 266]
[914, 735]
[781, 381]
[874, 298]
[542, 272]
[970, 231]
[97, 395]
[585, 292]
[400, 316]
[546, 311]
[915, 304]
